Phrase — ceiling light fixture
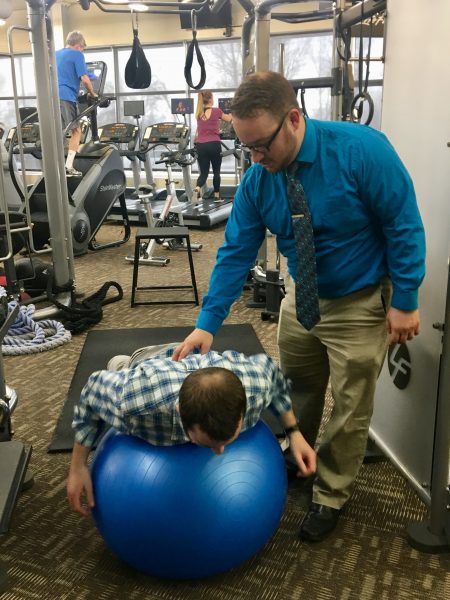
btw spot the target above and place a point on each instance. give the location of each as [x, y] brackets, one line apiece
[138, 7]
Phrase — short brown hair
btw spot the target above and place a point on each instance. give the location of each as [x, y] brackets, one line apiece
[214, 399]
[264, 91]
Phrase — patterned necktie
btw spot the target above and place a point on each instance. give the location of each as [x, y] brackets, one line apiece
[306, 294]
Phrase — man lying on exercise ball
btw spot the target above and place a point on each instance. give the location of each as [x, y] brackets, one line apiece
[204, 399]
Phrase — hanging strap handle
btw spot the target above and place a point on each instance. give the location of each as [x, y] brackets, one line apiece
[303, 103]
[193, 46]
[134, 22]
[357, 105]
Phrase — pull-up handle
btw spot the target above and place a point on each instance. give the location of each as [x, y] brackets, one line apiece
[193, 46]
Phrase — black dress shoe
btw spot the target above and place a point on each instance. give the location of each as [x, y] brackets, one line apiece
[318, 523]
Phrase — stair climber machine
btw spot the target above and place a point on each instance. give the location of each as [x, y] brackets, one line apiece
[91, 196]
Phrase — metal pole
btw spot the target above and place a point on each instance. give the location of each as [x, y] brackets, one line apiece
[64, 206]
[248, 46]
[52, 144]
[281, 58]
[368, 8]
[337, 66]
[431, 536]
[23, 171]
[262, 41]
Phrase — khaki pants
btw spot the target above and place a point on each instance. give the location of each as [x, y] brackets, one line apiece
[347, 347]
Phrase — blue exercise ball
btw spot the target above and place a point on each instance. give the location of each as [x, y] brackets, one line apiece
[183, 512]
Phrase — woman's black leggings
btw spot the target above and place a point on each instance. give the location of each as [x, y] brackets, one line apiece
[208, 153]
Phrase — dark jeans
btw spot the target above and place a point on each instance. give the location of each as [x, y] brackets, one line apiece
[208, 154]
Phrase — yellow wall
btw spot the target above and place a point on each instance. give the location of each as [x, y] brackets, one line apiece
[106, 29]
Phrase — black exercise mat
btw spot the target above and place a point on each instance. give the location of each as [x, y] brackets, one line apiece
[100, 346]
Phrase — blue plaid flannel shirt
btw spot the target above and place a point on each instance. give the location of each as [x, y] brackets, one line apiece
[142, 400]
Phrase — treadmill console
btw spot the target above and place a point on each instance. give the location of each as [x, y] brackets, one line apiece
[30, 134]
[28, 114]
[166, 133]
[11, 134]
[119, 133]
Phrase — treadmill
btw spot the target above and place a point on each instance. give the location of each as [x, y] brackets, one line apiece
[206, 214]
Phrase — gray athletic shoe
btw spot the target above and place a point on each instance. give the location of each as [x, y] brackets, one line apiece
[73, 172]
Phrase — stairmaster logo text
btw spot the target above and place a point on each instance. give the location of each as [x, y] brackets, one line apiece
[399, 364]
[111, 187]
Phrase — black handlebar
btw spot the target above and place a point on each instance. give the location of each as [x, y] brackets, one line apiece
[93, 104]
[178, 157]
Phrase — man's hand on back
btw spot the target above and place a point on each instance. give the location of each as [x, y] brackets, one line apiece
[199, 338]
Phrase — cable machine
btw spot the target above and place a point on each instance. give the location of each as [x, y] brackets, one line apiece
[255, 57]
[405, 410]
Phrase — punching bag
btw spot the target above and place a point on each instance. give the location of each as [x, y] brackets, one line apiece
[138, 74]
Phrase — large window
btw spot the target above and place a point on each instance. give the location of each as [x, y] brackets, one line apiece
[25, 87]
[310, 57]
[166, 63]
[305, 57]
[107, 57]
[25, 76]
[222, 64]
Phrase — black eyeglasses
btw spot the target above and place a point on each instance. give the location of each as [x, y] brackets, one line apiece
[264, 148]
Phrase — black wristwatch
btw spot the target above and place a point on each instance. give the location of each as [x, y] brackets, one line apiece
[291, 429]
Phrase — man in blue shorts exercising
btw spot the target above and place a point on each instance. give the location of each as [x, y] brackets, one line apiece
[71, 69]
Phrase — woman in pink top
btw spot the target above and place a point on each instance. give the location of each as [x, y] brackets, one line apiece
[207, 141]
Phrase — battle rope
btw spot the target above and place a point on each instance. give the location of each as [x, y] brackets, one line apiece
[27, 336]
[78, 317]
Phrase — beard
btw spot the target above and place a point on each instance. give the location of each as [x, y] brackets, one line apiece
[282, 159]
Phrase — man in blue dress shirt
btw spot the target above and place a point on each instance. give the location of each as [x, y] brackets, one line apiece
[370, 256]
[72, 69]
